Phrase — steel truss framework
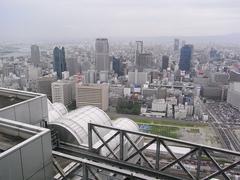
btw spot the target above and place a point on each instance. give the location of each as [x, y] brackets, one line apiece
[88, 166]
[221, 163]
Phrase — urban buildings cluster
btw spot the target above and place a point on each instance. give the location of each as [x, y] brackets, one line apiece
[172, 79]
[197, 83]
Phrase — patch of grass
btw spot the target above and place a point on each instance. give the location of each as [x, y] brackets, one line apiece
[167, 122]
[167, 131]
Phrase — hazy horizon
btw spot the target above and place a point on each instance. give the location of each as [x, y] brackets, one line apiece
[29, 20]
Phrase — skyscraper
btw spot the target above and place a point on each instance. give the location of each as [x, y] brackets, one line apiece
[165, 61]
[117, 66]
[139, 47]
[73, 66]
[176, 44]
[102, 55]
[144, 60]
[35, 55]
[59, 63]
[138, 50]
[185, 57]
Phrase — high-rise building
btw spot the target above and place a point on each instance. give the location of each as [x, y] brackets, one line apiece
[185, 57]
[165, 62]
[213, 54]
[138, 50]
[92, 94]
[35, 55]
[176, 44]
[117, 66]
[102, 55]
[91, 76]
[144, 60]
[62, 92]
[139, 47]
[137, 78]
[44, 85]
[73, 66]
[233, 94]
[59, 63]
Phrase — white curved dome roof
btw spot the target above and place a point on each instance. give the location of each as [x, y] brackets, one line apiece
[77, 122]
[56, 111]
[126, 124]
[60, 107]
[121, 123]
[74, 128]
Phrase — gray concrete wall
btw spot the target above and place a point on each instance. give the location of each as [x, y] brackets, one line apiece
[31, 111]
[30, 159]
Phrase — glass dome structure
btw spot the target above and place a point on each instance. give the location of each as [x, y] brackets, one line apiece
[72, 127]
[76, 123]
[121, 123]
[56, 111]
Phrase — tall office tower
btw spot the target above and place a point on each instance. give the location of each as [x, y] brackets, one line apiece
[44, 85]
[185, 57]
[91, 76]
[62, 92]
[117, 66]
[137, 78]
[139, 47]
[35, 55]
[73, 66]
[102, 55]
[213, 54]
[92, 94]
[176, 44]
[138, 50]
[233, 94]
[59, 63]
[144, 60]
[165, 62]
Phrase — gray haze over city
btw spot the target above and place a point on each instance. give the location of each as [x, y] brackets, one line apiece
[29, 20]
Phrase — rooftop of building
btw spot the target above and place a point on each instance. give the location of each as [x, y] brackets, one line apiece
[9, 100]
[21, 106]
[9, 97]
[15, 134]
[7, 141]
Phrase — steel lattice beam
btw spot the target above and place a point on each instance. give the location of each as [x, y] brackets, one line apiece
[200, 150]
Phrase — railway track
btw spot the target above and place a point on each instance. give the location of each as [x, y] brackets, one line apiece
[226, 135]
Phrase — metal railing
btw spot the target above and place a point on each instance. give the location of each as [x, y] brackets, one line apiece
[92, 170]
[195, 161]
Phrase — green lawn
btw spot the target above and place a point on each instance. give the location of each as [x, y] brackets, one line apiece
[167, 122]
[167, 131]
[164, 127]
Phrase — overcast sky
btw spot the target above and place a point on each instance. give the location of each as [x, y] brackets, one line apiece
[69, 19]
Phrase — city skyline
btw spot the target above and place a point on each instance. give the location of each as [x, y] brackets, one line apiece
[31, 20]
